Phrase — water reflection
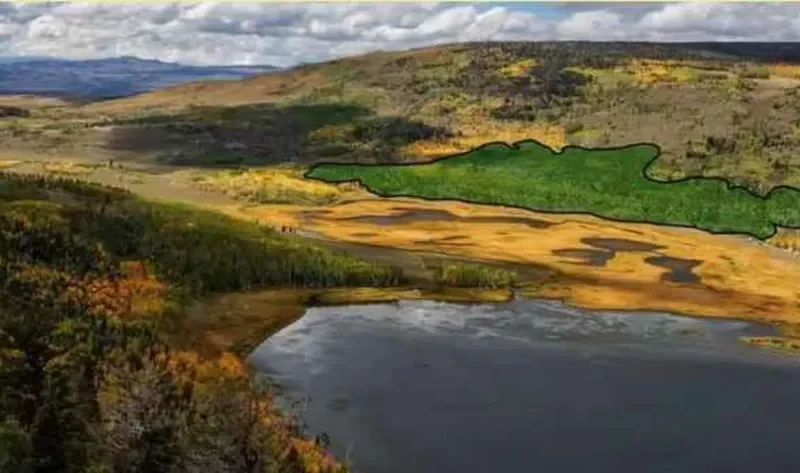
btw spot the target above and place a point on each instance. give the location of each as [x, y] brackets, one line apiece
[432, 387]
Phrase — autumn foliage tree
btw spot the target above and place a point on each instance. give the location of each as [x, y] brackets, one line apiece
[88, 382]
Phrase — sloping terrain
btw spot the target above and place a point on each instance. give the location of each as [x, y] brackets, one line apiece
[715, 111]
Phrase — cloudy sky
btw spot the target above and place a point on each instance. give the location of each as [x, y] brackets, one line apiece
[285, 34]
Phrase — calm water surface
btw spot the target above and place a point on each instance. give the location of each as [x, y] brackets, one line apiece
[536, 386]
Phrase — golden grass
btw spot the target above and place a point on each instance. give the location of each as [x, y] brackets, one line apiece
[738, 278]
[370, 295]
[519, 68]
[238, 322]
[646, 72]
[8, 163]
[267, 88]
[67, 168]
[653, 72]
[787, 344]
[484, 131]
[276, 185]
[791, 71]
[788, 239]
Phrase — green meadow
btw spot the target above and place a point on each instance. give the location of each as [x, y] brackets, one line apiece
[609, 183]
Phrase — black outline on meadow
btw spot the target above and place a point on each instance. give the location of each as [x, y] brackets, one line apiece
[518, 144]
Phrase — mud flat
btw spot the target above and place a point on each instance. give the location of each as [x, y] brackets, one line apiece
[592, 262]
[648, 267]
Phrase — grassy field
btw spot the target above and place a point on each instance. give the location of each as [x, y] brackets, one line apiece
[548, 252]
[474, 275]
[609, 183]
[275, 185]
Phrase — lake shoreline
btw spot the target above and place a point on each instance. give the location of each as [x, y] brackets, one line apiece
[602, 288]
[237, 322]
[241, 321]
[730, 284]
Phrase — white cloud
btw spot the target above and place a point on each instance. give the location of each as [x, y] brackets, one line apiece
[284, 34]
[590, 25]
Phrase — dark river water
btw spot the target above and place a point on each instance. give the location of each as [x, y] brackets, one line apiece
[536, 386]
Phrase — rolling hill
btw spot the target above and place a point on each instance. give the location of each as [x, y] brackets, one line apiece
[715, 109]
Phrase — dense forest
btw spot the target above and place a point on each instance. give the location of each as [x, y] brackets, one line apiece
[89, 277]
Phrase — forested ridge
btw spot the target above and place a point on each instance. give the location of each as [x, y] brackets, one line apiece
[89, 277]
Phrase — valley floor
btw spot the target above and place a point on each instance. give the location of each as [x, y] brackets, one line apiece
[586, 261]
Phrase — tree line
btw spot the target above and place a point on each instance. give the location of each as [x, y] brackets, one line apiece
[88, 386]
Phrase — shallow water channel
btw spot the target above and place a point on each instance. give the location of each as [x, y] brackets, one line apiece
[536, 386]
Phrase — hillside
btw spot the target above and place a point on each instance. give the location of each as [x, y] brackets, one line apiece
[716, 110]
[98, 365]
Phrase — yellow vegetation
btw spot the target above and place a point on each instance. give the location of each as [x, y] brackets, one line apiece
[484, 131]
[374, 295]
[738, 278]
[646, 72]
[238, 322]
[788, 239]
[276, 185]
[67, 168]
[227, 364]
[776, 343]
[791, 71]
[8, 163]
[652, 72]
[605, 76]
[518, 68]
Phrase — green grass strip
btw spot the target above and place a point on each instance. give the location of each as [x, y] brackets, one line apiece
[610, 183]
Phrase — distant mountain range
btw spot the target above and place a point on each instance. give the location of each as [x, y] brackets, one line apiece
[106, 78]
